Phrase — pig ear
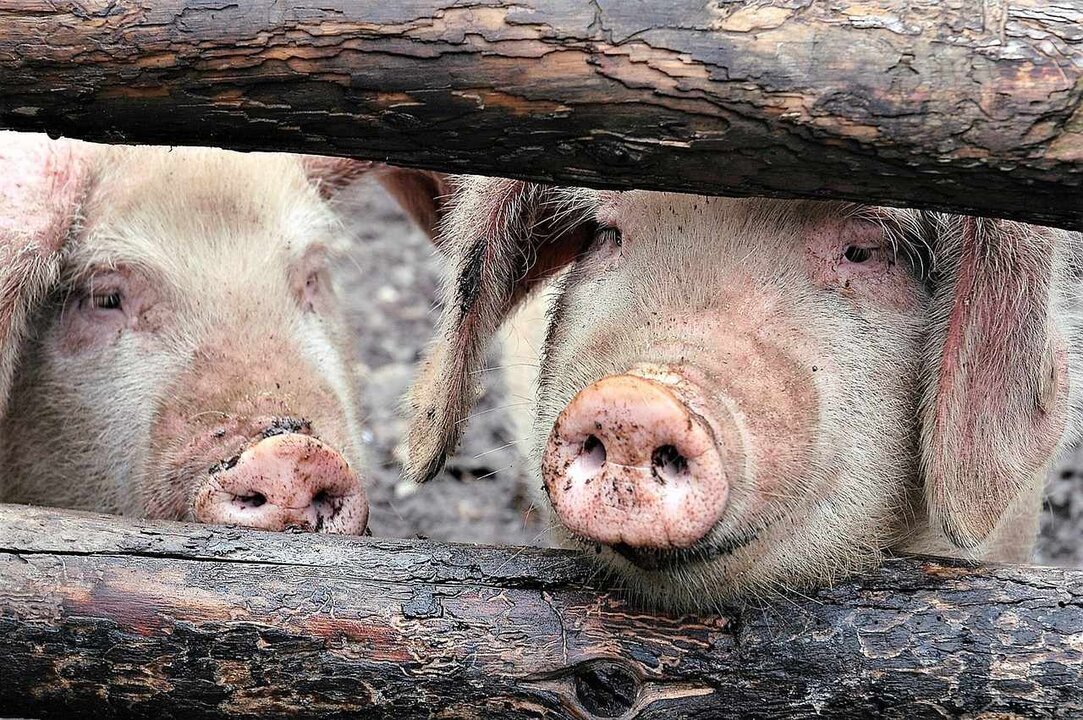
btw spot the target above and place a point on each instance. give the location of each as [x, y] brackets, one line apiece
[42, 183]
[997, 399]
[333, 174]
[422, 194]
[502, 237]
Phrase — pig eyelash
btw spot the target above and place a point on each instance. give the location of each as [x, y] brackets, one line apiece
[905, 232]
[862, 254]
[857, 254]
[107, 301]
[608, 236]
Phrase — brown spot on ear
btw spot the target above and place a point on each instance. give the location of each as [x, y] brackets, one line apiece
[469, 282]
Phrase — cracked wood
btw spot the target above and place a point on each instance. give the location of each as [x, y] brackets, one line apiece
[966, 106]
[110, 618]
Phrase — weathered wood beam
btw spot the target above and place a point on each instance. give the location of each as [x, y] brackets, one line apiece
[102, 617]
[967, 106]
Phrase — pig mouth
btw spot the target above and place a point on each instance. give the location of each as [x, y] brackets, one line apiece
[673, 559]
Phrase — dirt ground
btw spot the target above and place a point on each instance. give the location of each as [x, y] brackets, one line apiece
[482, 495]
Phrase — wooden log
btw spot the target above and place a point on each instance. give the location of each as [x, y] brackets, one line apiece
[968, 106]
[106, 618]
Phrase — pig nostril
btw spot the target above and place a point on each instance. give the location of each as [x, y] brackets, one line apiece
[590, 461]
[594, 449]
[668, 464]
[328, 503]
[254, 500]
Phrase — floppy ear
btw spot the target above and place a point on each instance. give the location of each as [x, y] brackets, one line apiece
[996, 403]
[422, 194]
[333, 174]
[42, 183]
[502, 237]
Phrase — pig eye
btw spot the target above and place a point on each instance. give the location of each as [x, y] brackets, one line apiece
[607, 239]
[106, 301]
[608, 236]
[313, 289]
[858, 254]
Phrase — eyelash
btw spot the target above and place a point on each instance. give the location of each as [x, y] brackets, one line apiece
[609, 236]
[857, 254]
[107, 301]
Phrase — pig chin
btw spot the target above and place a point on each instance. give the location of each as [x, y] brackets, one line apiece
[734, 565]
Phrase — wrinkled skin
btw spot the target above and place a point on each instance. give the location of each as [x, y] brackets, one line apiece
[182, 354]
[735, 397]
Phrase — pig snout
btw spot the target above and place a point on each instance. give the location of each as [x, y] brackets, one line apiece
[285, 481]
[631, 463]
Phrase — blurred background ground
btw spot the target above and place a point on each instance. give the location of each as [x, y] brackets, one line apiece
[483, 496]
[1061, 541]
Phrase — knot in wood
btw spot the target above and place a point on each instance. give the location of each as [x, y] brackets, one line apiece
[606, 689]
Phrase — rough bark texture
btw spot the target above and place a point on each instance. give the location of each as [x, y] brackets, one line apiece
[967, 106]
[104, 618]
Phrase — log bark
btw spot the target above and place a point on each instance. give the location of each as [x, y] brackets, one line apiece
[973, 107]
[107, 618]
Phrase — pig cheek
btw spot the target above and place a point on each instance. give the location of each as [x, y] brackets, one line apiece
[159, 499]
[781, 406]
[80, 333]
[180, 460]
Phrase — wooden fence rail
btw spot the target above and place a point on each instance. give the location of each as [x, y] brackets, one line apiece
[107, 618]
[967, 106]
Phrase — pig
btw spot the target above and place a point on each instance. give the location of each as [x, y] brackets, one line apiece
[738, 398]
[171, 345]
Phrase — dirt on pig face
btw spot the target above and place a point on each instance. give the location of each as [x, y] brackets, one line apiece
[196, 312]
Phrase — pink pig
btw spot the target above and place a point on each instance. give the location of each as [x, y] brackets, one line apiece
[170, 341]
[736, 396]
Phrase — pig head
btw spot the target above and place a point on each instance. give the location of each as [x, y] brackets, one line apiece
[739, 396]
[171, 345]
